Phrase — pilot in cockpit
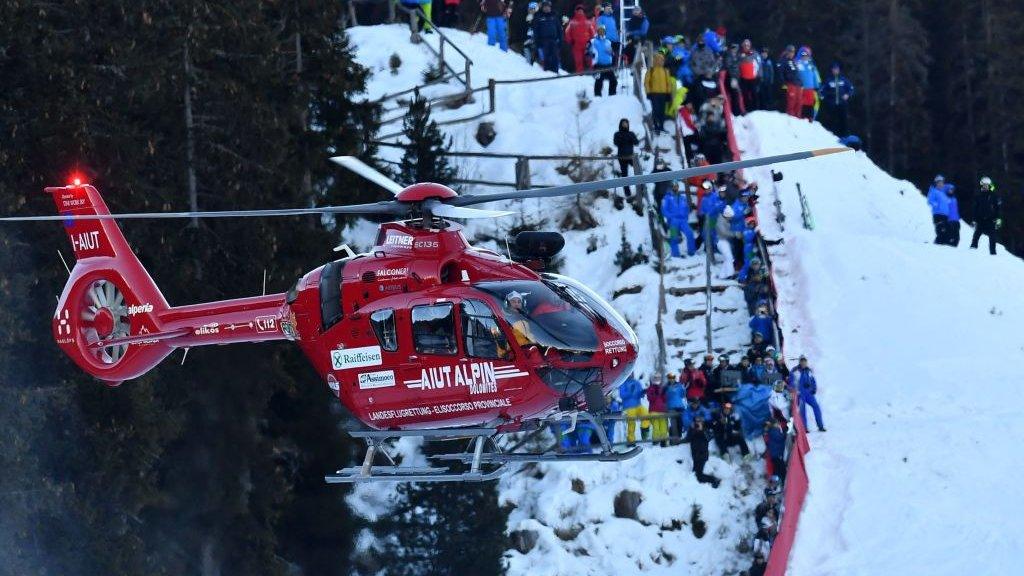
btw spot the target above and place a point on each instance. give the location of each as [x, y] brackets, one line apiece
[515, 304]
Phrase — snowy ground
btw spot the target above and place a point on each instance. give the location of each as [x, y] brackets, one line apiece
[917, 351]
[578, 533]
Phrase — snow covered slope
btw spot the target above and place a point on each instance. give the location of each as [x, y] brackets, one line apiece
[917, 350]
[578, 533]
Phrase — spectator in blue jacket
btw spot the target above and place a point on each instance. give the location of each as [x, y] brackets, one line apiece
[611, 26]
[693, 409]
[603, 56]
[810, 81]
[775, 441]
[675, 401]
[750, 270]
[711, 207]
[636, 32]
[953, 218]
[802, 379]
[835, 95]
[614, 408]
[712, 41]
[938, 201]
[762, 322]
[547, 33]
[632, 393]
[675, 209]
[681, 55]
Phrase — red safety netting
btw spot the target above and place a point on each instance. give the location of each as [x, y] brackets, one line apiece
[797, 481]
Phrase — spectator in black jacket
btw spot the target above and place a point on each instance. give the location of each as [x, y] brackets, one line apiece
[699, 437]
[729, 432]
[547, 33]
[625, 141]
[988, 214]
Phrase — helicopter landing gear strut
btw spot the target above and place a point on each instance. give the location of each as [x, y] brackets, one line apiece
[485, 459]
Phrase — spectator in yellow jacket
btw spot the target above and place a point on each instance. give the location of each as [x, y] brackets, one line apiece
[659, 85]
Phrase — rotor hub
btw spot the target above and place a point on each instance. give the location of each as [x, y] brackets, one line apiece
[104, 322]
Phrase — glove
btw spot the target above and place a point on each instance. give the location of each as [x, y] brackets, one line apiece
[999, 223]
[734, 84]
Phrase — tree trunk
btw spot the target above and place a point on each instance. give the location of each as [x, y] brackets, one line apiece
[968, 70]
[190, 140]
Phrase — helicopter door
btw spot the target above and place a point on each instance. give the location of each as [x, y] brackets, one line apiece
[435, 351]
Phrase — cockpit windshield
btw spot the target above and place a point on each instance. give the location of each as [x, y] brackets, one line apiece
[539, 315]
[580, 292]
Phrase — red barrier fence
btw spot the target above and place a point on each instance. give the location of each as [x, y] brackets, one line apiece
[797, 481]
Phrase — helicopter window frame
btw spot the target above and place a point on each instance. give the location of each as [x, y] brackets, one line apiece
[385, 328]
[476, 317]
[445, 322]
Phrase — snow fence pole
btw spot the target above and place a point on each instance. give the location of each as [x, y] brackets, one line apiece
[708, 252]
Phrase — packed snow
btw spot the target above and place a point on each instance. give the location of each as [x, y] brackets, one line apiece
[578, 533]
[916, 348]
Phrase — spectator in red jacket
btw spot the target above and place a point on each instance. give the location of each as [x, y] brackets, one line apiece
[657, 407]
[750, 76]
[577, 35]
[694, 380]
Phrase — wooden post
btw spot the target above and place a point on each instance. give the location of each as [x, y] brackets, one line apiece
[492, 87]
[523, 173]
[391, 11]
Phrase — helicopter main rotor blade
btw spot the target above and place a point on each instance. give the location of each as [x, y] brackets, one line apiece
[359, 167]
[448, 211]
[587, 187]
[388, 208]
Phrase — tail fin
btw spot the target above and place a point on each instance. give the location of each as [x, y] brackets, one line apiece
[109, 296]
[112, 319]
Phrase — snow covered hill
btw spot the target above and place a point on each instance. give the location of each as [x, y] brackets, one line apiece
[917, 350]
[570, 508]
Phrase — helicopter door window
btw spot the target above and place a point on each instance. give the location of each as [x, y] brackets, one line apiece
[383, 323]
[481, 334]
[433, 329]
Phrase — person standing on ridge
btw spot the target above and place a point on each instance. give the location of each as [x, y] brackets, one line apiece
[603, 56]
[938, 201]
[547, 33]
[953, 218]
[497, 27]
[988, 214]
[636, 33]
[577, 36]
[611, 28]
[750, 70]
[835, 95]
[790, 79]
[803, 380]
[810, 81]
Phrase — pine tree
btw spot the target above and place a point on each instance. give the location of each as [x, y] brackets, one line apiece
[424, 159]
[215, 466]
[443, 529]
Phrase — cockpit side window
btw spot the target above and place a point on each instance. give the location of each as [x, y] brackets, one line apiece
[383, 323]
[480, 332]
[433, 329]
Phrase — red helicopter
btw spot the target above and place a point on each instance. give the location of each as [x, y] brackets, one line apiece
[424, 335]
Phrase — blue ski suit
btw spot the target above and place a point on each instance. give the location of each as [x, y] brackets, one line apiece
[807, 386]
[675, 209]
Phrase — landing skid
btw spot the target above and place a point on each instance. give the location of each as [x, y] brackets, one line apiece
[486, 460]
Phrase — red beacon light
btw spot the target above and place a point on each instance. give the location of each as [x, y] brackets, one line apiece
[76, 179]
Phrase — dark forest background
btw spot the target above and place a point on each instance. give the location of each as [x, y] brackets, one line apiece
[216, 466]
